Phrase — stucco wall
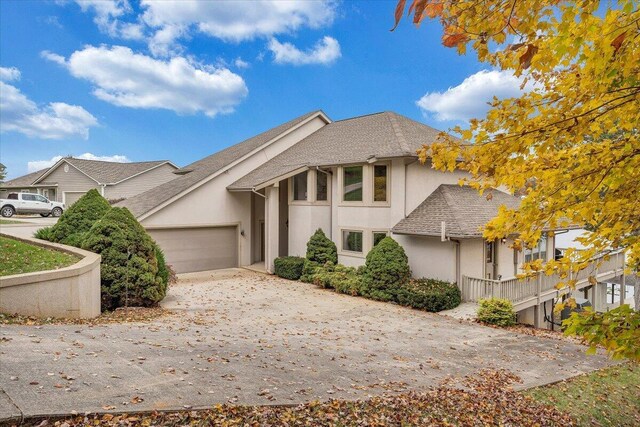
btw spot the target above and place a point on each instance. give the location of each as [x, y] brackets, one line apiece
[70, 292]
[429, 257]
[304, 220]
[141, 183]
[212, 204]
[422, 180]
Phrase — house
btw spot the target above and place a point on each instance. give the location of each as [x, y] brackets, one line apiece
[69, 178]
[358, 179]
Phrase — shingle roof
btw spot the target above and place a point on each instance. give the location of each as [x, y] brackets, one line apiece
[112, 172]
[463, 209]
[23, 181]
[380, 135]
[198, 171]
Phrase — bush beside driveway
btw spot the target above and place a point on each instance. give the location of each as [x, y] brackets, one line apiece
[248, 338]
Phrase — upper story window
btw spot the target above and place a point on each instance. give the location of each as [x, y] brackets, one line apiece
[539, 252]
[380, 183]
[321, 186]
[352, 182]
[300, 186]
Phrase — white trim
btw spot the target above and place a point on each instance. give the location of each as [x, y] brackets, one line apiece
[144, 171]
[200, 183]
[58, 163]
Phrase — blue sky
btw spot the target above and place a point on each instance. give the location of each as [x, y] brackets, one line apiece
[131, 80]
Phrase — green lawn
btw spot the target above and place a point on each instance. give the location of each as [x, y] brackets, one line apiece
[610, 397]
[10, 221]
[17, 257]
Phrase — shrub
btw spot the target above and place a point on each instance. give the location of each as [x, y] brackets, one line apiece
[386, 270]
[129, 268]
[321, 249]
[165, 271]
[309, 270]
[343, 279]
[429, 294]
[79, 218]
[289, 267]
[496, 311]
[44, 234]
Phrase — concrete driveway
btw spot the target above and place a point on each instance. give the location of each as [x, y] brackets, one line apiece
[26, 226]
[247, 338]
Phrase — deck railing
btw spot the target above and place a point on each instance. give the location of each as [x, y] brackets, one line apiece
[519, 289]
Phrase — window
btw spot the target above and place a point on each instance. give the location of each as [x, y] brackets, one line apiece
[352, 241]
[380, 183]
[13, 196]
[378, 236]
[300, 186]
[352, 184]
[538, 252]
[29, 197]
[321, 186]
[41, 199]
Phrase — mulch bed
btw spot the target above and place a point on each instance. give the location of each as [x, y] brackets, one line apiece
[120, 315]
[482, 400]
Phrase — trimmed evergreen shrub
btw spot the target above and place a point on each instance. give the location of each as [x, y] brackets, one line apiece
[343, 279]
[321, 249]
[289, 267]
[386, 270]
[496, 311]
[309, 270]
[129, 268]
[429, 294]
[78, 219]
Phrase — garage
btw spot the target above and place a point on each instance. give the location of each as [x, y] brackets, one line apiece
[198, 248]
[70, 197]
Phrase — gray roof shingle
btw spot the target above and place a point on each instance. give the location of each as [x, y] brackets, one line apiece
[101, 171]
[112, 172]
[462, 208]
[24, 180]
[355, 140]
[198, 171]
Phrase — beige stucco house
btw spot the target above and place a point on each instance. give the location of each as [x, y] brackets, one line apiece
[358, 179]
[69, 178]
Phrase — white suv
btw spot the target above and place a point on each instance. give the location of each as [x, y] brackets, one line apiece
[29, 203]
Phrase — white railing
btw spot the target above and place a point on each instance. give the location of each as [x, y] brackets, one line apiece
[519, 289]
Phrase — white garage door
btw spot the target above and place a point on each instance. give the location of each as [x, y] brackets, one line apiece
[70, 197]
[198, 249]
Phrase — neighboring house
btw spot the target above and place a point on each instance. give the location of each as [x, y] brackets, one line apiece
[358, 179]
[70, 178]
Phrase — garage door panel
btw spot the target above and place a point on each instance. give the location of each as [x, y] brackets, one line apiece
[198, 249]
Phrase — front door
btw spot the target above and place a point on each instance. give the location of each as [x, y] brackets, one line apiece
[491, 260]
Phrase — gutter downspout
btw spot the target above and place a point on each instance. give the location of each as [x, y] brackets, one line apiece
[253, 190]
[102, 189]
[458, 277]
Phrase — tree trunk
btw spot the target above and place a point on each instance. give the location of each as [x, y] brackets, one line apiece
[636, 294]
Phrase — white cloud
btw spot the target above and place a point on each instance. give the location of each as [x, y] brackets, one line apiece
[470, 98]
[37, 165]
[9, 74]
[240, 63]
[235, 21]
[57, 120]
[124, 78]
[108, 14]
[325, 51]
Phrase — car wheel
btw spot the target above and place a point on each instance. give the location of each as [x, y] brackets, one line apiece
[56, 212]
[7, 212]
[45, 215]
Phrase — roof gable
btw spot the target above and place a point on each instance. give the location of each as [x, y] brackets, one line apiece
[200, 171]
[355, 140]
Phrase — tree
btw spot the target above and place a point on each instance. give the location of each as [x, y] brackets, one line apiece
[3, 172]
[570, 142]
